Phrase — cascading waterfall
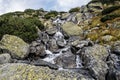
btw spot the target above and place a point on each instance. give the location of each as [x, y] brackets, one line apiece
[51, 56]
[78, 62]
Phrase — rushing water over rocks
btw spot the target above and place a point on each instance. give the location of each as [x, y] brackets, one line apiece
[57, 50]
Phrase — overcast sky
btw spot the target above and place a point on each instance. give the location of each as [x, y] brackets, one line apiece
[20, 5]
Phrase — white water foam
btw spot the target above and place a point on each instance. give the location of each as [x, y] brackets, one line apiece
[78, 62]
[50, 58]
[58, 35]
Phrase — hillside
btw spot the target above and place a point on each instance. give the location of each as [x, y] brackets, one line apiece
[81, 44]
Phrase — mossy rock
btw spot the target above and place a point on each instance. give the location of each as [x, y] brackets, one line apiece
[16, 46]
[29, 72]
[72, 29]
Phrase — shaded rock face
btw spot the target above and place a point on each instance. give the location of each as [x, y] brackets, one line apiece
[16, 46]
[29, 72]
[66, 60]
[96, 7]
[116, 48]
[94, 59]
[37, 48]
[53, 45]
[114, 63]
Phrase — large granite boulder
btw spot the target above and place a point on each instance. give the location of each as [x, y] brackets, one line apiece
[95, 6]
[19, 71]
[15, 46]
[72, 29]
[94, 59]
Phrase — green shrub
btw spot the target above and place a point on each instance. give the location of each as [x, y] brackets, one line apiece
[110, 9]
[77, 9]
[24, 28]
[51, 14]
[29, 11]
[109, 17]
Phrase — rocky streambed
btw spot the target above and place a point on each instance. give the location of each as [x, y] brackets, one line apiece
[56, 55]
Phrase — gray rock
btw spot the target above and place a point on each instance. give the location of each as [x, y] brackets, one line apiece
[66, 60]
[116, 47]
[52, 45]
[5, 58]
[51, 31]
[79, 44]
[40, 50]
[44, 37]
[114, 67]
[45, 64]
[61, 43]
[33, 50]
[94, 59]
[35, 43]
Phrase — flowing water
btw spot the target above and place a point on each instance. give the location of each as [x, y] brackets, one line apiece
[51, 56]
[78, 62]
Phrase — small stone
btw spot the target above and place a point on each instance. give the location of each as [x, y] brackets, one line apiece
[61, 43]
[51, 31]
[5, 58]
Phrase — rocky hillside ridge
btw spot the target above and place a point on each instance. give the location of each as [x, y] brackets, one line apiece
[82, 44]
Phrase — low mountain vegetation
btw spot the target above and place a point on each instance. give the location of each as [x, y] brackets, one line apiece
[25, 28]
[51, 14]
[77, 9]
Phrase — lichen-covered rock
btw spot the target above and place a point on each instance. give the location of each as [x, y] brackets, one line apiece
[72, 29]
[94, 59]
[107, 38]
[96, 6]
[16, 46]
[28, 72]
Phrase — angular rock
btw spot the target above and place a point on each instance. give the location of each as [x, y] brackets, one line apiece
[114, 67]
[66, 60]
[79, 44]
[16, 46]
[5, 58]
[35, 43]
[40, 50]
[45, 64]
[44, 37]
[116, 47]
[61, 43]
[94, 59]
[51, 31]
[52, 45]
[24, 71]
[72, 29]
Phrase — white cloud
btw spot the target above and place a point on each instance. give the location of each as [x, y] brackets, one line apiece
[11, 5]
[67, 4]
[20, 5]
